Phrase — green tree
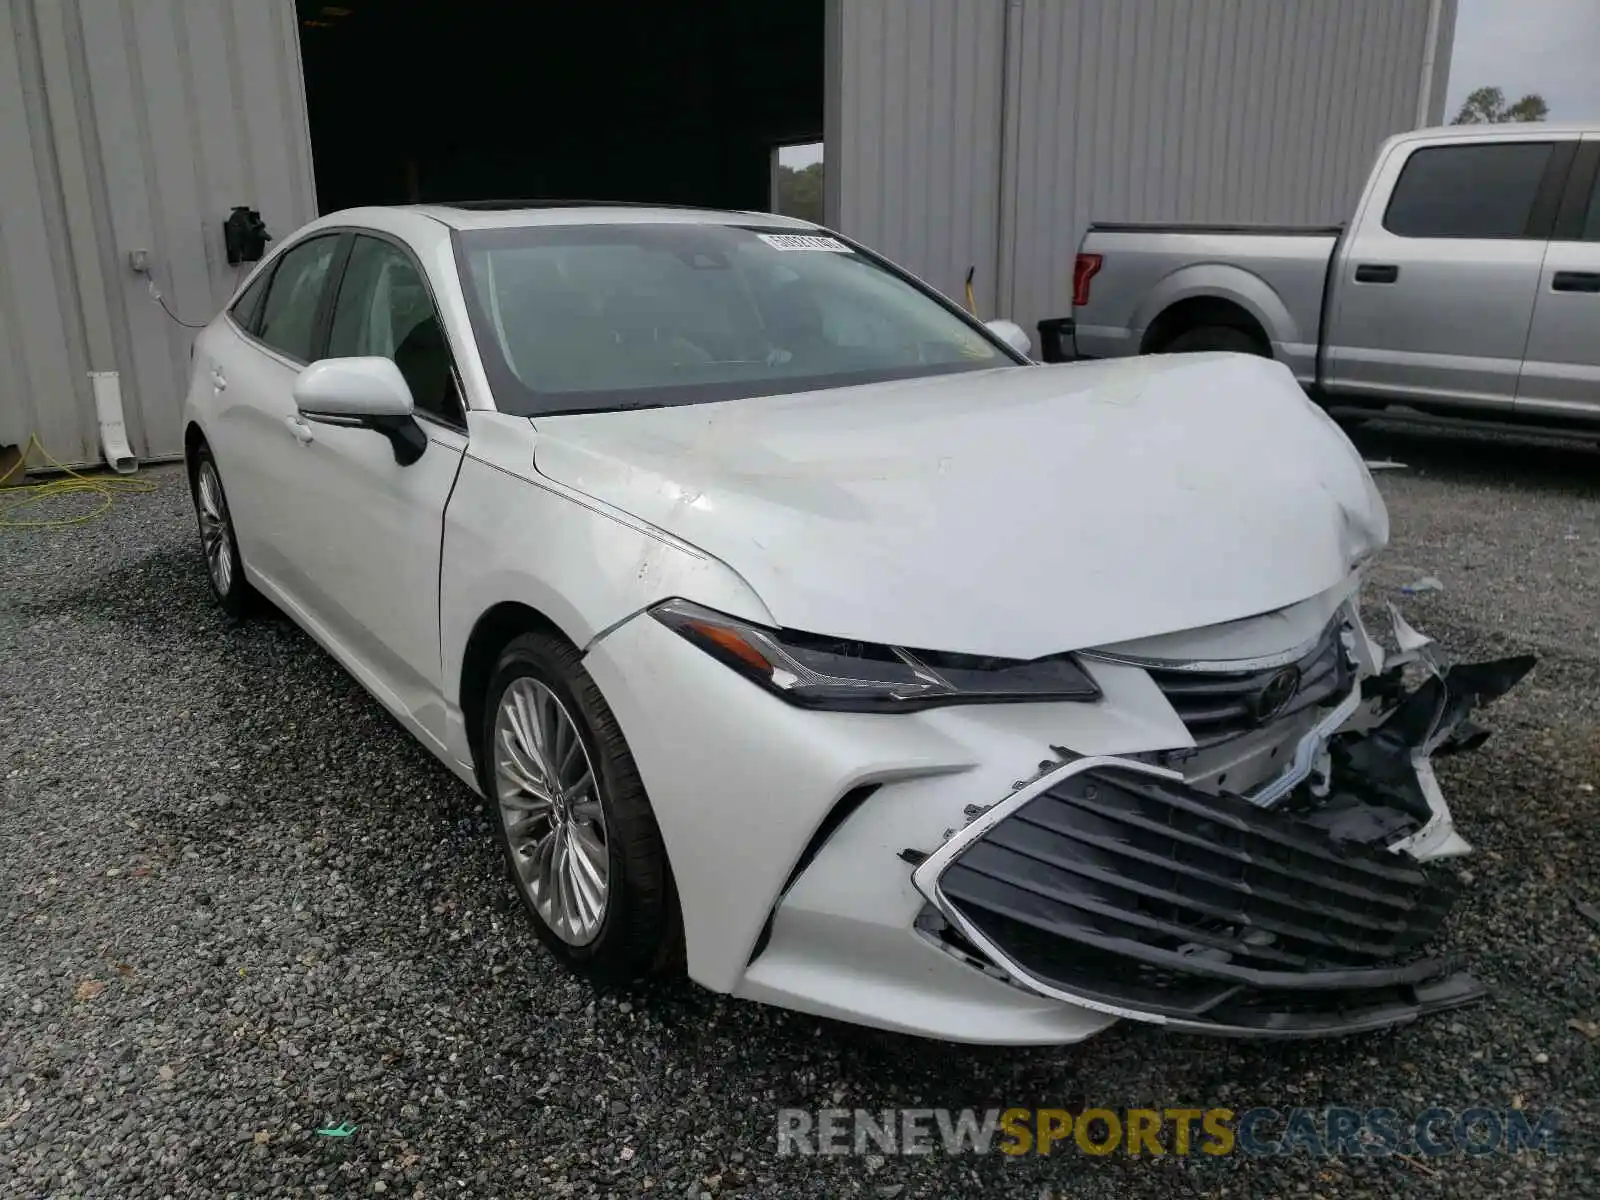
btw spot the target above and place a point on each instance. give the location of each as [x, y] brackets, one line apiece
[1487, 106]
[800, 192]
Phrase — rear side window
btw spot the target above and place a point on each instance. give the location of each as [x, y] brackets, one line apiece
[1591, 224]
[248, 306]
[289, 316]
[1482, 191]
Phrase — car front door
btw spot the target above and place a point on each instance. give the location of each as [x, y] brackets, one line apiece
[367, 528]
[1561, 370]
[1433, 295]
[251, 369]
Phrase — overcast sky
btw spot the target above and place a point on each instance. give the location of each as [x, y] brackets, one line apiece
[1547, 46]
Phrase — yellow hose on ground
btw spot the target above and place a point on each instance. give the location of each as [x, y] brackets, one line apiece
[25, 495]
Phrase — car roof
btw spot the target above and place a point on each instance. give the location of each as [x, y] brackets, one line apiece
[504, 214]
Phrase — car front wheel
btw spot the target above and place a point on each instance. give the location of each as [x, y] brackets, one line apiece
[580, 839]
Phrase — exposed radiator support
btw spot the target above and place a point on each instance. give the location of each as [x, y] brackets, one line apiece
[113, 434]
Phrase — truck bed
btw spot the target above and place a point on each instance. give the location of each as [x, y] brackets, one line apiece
[1204, 227]
[1147, 281]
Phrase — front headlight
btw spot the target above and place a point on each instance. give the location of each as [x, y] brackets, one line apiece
[849, 676]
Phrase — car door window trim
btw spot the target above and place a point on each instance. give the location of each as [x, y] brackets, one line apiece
[322, 326]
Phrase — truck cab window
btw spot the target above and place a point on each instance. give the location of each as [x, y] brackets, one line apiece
[1481, 191]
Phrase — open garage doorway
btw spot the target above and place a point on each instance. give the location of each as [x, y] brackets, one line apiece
[432, 100]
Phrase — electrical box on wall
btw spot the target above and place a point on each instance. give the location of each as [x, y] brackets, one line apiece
[245, 236]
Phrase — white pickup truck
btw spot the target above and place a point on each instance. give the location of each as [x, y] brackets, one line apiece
[1467, 284]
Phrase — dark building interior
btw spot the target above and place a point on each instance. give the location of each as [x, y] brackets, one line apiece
[682, 103]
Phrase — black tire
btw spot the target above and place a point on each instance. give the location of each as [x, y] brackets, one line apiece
[640, 931]
[1216, 337]
[232, 590]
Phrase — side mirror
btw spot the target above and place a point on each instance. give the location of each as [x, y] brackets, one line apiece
[363, 393]
[1013, 335]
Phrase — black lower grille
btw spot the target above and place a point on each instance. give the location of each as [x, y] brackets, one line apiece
[1124, 887]
[1218, 705]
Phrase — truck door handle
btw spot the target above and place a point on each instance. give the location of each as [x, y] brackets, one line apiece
[218, 380]
[1377, 273]
[1575, 281]
[301, 430]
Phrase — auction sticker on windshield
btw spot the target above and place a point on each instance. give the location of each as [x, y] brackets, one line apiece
[803, 241]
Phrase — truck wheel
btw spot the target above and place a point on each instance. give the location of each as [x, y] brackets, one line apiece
[1216, 337]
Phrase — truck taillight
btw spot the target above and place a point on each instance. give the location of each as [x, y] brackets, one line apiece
[1083, 270]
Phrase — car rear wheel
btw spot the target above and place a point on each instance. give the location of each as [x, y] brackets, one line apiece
[1215, 337]
[217, 540]
[580, 840]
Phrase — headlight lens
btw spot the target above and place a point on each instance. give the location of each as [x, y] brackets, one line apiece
[850, 676]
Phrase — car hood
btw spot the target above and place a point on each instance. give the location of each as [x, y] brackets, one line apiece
[1018, 512]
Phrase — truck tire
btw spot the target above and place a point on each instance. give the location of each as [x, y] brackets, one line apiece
[1216, 337]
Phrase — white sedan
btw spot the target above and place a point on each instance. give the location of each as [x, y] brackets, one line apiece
[804, 636]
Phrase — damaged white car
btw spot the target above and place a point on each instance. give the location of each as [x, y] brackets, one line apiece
[803, 636]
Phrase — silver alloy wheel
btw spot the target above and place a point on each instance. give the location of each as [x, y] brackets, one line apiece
[216, 536]
[549, 804]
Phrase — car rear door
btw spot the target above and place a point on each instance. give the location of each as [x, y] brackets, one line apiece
[1561, 369]
[252, 378]
[363, 530]
[1434, 294]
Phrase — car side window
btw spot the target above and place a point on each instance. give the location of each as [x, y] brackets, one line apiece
[384, 308]
[248, 306]
[1481, 191]
[1591, 223]
[289, 317]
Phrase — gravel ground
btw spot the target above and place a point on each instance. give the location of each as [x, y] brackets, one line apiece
[237, 904]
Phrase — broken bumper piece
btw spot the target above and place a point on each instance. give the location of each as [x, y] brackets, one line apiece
[1114, 884]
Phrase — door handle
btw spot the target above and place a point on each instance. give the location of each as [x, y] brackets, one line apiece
[219, 380]
[302, 431]
[1575, 281]
[1377, 273]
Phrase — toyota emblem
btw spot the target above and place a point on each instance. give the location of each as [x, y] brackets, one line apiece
[1275, 697]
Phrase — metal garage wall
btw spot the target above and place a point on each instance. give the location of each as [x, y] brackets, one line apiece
[132, 124]
[913, 133]
[1238, 110]
[1195, 110]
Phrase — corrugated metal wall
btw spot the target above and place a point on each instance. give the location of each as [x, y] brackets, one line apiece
[132, 124]
[913, 137]
[1238, 110]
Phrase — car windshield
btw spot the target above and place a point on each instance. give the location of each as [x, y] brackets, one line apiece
[583, 318]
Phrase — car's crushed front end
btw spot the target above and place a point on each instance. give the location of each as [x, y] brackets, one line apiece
[1154, 765]
[1294, 901]
[1239, 845]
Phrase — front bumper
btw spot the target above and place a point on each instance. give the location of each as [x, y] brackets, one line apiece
[928, 873]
